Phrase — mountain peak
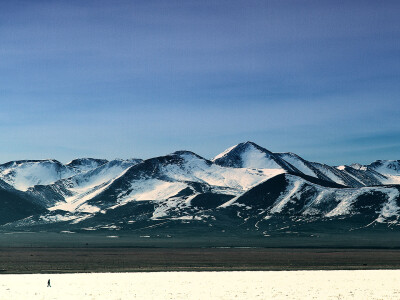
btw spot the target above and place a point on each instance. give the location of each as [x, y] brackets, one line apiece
[86, 164]
[241, 147]
[250, 143]
[386, 167]
[358, 166]
[24, 174]
[250, 155]
[85, 160]
[186, 153]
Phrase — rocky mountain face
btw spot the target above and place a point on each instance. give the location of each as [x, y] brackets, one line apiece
[16, 205]
[247, 188]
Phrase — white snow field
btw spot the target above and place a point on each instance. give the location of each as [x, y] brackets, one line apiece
[372, 284]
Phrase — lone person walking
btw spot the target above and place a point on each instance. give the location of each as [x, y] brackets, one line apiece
[48, 283]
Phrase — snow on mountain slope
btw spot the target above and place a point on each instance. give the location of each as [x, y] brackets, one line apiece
[377, 173]
[378, 201]
[277, 192]
[386, 167]
[300, 164]
[355, 166]
[344, 175]
[179, 175]
[365, 175]
[246, 180]
[291, 195]
[349, 199]
[78, 189]
[86, 164]
[197, 169]
[335, 175]
[293, 188]
[391, 208]
[225, 152]
[389, 168]
[250, 155]
[391, 179]
[152, 189]
[352, 176]
[27, 173]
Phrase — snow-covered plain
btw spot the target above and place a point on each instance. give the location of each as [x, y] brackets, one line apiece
[372, 284]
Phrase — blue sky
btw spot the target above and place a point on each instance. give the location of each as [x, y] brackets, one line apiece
[145, 78]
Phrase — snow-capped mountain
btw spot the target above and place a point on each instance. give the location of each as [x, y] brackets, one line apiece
[71, 193]
[246, 186]
[389, 168]
[178, 177]
[294, 196]
[15, 204]
[250, 155]
[86, 164]
[24, 174]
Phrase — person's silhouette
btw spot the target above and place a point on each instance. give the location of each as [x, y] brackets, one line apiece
[48, 283]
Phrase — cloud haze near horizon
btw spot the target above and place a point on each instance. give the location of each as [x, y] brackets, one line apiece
[145, 78]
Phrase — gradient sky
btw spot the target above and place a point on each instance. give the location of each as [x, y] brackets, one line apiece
[144, 78]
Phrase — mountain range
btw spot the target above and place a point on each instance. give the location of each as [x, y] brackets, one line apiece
[246, 190]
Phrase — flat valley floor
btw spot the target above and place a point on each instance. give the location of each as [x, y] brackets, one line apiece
[25, 260]
[350, 284]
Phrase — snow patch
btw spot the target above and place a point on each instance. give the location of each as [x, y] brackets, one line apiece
[293, 188]
[26, 174]
[224, 153]
[390, 208]
[254, 158]
[298, 164]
